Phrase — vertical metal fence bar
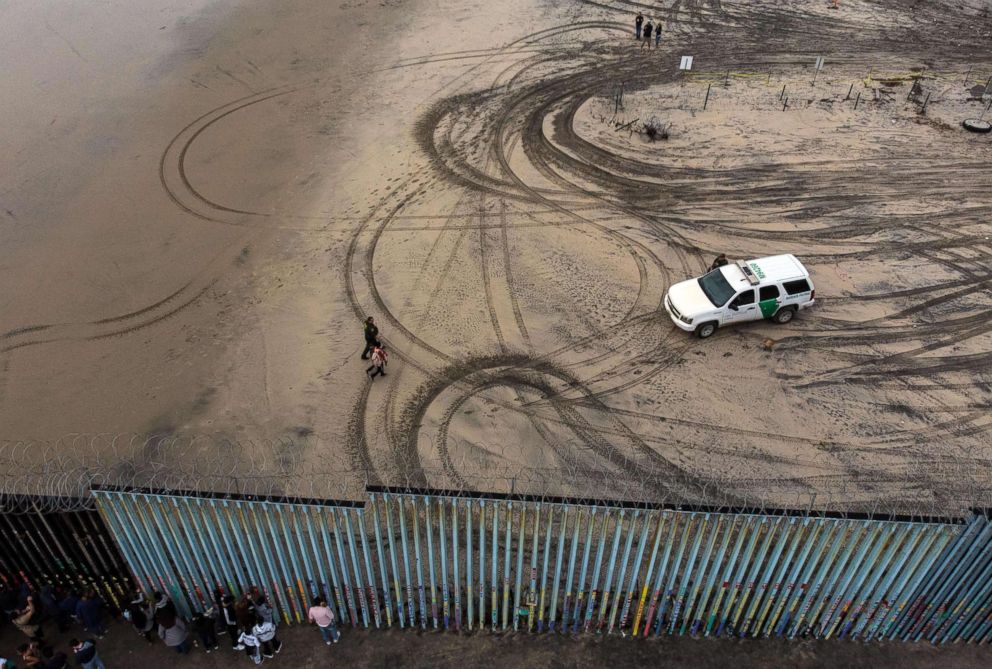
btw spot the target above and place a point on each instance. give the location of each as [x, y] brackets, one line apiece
[317, 518]
[842, 545]
[879, 568]
[205, 520]
[144, 576]
[387, 603]
[707, 600]
[241, 533]
[747, 534]
[954, 601]
[875, 598]
[282, 539]
[544, 567]
[892, 603]
[857, 573]
[217, 516]
[772, 527]
[268, 541]
[296, 557]
[507, 543]
[783, 530]
[411, 607]
[324, 586]
[494, 568]
[594, 584]
[469, 559]
[582, 577]
[373, 590]
[482, 564]
[662, 570]
[518, 587]
[608, 581]
[974, 601]
[689, 573]
[356, 567]
[346, 581]
[167, 569]
[205, 564]
[797, 532]
[562, 532]
[305, 538]
[690, 618]
[674, 573]
[454, 564]
[622, 593]
[190, 586]
[923, 598]
[429, 527]
[445, 600]
[532, 592]
[573, 550]
[645, 588]
[963, 570]
[797, 585]
[418, 563]
[392, 559]
[255, 533]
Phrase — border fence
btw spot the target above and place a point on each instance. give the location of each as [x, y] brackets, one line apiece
[449, 561]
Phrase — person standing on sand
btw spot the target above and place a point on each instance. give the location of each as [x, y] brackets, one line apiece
[637, 26]
[647, 35]
[719, 261]
[379, 359]
[323, 617]
[371, 337]
[657, 35]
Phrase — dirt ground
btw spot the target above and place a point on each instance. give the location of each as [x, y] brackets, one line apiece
[201, 201]
[303, 648]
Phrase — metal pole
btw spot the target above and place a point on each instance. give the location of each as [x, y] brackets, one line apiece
[669, 593]
[304, 537]
[691, 622]
[294, 568]
[507, 541]
[852, 571]
[544, 568]
[593, 589]
[907, 600]
[259, 512]
[123, 539]
[130, 517]
[689, 572]
[392, 559]
[418, 564]
[562, 529]
[857, 100]
[366, 554]
[469, 559]
[707, 99]
[429, 527]
[571, 569]
[754, 530]
[532, 596]
[349, 594]
[585, 564]
[445, 605]
[454, 564]
[904, 549]
[356, 567]
[494, 568]
[800, 574]
[662, 569]
[192, 589]
[829, 568]
[925, 103]
[324, 587]
[518, 587]
[620, 590]
[204, 519]
[773, 595]
[648, 574]
[482, 564]
[882, 566]
[219, 512]
[328, 559]
[773, 526]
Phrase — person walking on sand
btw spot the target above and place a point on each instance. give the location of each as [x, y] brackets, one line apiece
[648, 27]
[657, 34]
[379, 359]
[85, 654]
[371, 337]
[637, 25]
[323, 617]
[719, 261]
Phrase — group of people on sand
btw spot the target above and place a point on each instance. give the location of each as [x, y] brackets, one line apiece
[374, 350]
[647, 30]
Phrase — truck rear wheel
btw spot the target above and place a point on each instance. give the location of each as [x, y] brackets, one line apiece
[783, 316]
[705, 330]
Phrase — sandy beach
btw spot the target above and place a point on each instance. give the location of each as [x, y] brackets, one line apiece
[200, 202]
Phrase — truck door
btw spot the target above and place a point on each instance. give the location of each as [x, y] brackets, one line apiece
[742, 308]
[769, 299]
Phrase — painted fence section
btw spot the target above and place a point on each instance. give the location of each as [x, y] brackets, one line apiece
[71, 550]
[454, 563]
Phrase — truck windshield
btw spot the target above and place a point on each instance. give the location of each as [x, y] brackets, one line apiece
[718, 290]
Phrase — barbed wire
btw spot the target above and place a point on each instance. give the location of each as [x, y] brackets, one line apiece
[59, 475]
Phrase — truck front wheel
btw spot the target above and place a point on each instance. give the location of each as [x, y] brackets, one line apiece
[706, 330]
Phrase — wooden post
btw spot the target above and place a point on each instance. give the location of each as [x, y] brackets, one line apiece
[856, 101]
[849, 92]
[924, 111]
[707, 96]
[782, 94]
[784, 106]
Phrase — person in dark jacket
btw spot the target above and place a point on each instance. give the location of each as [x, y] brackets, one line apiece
[230, 618]
[90, 612]
[263, 609]
[68, 605]
[648, 29]
[85, 654]
[719, 261]
[637, 26]
[141, 616]
[52, 660]
[163, 603]
[371, 337]
[203, 624]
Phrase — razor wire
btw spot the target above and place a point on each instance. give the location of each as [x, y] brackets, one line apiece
[58, 476]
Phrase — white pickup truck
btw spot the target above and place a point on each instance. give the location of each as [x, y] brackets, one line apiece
[774, 288]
